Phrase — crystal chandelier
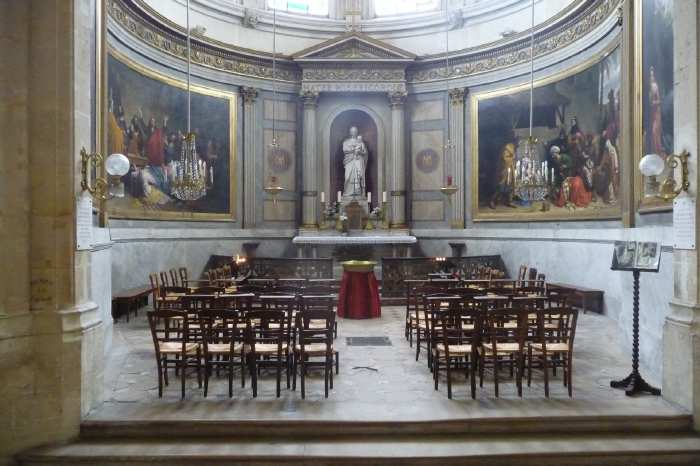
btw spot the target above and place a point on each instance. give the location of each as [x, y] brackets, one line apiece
[532, 178]
[190, 181]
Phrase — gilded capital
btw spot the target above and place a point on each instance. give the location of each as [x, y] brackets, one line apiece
[249, 94]
[310, 98]
[397, 98]
[457, 95]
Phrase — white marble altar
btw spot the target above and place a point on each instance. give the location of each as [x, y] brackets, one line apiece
[399, 240]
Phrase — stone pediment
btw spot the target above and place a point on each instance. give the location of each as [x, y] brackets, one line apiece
[351, 47]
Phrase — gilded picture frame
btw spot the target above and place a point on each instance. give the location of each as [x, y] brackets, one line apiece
[542, 211]
[653, 52]
[130, 208]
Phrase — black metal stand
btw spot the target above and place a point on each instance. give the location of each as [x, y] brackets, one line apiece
[634, 383]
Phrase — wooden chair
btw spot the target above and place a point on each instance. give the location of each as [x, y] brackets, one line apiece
[522, 275]
[222, 343]
[554, 345]
[314, 329]
[267, 345]
[322, 303]
[182, 272]
[174, 279]
[164, 279]
[209, 289]
[415, 317]
[504, 337]
[432, 303]
[173, 343]
[455, 333]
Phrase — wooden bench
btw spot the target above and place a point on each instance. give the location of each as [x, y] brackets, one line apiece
[587, 299]
[129, 300]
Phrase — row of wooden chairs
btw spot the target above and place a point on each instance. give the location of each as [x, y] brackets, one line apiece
[278, 332]
[219, 275]
[514, 324]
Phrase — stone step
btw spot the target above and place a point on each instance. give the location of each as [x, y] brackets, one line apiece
[597, 424]
[465, 450]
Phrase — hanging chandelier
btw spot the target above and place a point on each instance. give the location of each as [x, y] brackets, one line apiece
[531, 179]
[448, 143]
[190, 181]
[273, 188]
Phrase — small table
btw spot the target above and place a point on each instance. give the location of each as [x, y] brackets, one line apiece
[359, 291]
[130, 300]
[588, 299]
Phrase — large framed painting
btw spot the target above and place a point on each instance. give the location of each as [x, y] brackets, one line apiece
[654, 81]
[572, 170]
[146, 121]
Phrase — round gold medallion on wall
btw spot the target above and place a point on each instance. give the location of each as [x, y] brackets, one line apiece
[427, 160]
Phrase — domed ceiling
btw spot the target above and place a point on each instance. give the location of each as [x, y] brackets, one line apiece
[417, 26]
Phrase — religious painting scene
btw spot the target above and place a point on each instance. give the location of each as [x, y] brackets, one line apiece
[148, 123]
[350, 232]
[657, 83]
[571, 169]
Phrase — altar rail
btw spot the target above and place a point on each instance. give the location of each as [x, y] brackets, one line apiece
[275, 267]
[397, 269]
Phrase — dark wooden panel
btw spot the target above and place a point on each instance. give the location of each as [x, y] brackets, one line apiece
[274, 267]
[397, 269]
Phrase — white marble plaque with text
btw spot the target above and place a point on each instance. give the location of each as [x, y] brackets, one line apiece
[83, 220]
[684, 223]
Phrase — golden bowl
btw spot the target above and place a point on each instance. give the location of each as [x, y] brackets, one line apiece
[358, 266]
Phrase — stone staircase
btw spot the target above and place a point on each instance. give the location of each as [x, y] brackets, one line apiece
[542, 441]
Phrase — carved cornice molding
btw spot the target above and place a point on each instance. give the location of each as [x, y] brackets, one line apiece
[174, 44]
[354, 87]
[253, 64]
[249, 94]
[546, 42]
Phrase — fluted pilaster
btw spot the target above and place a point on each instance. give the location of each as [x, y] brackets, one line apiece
[397, 165]
[310, 162]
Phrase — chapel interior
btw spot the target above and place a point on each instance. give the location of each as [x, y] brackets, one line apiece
[344, 232]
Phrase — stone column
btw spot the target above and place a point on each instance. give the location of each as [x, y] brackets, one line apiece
[250, 95]
[456, 164]
[397, 165]
[309, 205]
[681, 345]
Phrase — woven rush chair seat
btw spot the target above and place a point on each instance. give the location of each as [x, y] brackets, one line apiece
[454, 350]
[269, 348]
[502, 348]
[224, 348]
[551, 347]
[314, 349]
[174, 347]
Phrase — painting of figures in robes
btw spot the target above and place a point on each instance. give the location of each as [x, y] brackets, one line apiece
[570, 168]
[656, 88]
[147, 121]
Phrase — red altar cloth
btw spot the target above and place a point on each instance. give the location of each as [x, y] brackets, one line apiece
[359, 296]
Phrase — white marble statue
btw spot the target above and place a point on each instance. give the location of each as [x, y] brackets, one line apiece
[355, 163]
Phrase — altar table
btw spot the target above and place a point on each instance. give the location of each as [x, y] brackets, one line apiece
[359, 296]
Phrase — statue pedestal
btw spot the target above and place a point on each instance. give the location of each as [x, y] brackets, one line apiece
[357, 216]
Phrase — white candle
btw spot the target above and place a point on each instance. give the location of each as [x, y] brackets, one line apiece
[323, 196]
[340, 196]
[384, 196]
[369, 197]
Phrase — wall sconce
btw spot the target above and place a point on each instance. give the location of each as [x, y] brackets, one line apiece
[116, 166]
[273, 189]
[652, 166]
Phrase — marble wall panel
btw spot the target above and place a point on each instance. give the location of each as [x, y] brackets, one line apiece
[282, 110]
[427, 110]
[428, 210]
[134, 256]
[281, 163]
[427, 160]
[280, 211]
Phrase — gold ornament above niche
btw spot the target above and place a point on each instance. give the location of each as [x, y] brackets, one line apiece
[210, 53]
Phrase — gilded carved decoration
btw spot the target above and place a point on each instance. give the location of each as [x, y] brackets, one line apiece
[353, 74]
[310, 98]
[203, 55]
[457, 95]
[214, 55]
[396, 99]
[561, 36]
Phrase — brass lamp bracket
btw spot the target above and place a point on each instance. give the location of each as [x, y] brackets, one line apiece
[668, 189]
[88, 160]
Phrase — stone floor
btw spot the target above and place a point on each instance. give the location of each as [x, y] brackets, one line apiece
[375, 383]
